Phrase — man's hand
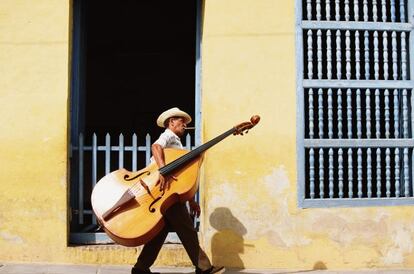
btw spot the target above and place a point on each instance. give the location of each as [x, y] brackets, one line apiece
[194, 208]
[165, 182]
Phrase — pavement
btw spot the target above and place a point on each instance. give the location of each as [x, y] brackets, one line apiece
[37, 268]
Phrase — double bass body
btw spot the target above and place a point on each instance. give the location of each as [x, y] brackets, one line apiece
[139, 219]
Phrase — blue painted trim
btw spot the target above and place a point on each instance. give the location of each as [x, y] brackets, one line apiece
[74, 91]
[410, 56]
[372, 84]
[76, 121]
[352, 25]
[358, 143]
[358, 202]
[90, 238]
[198, 111]
[300, 121]
[77, 74]
[77, 102]
[102, 238]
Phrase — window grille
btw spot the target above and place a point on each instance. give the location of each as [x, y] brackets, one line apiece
[355, 122]
[94, 158]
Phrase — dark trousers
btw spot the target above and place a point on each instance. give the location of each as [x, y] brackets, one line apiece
[178, 220]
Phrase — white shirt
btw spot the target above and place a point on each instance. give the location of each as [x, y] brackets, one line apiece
[169, 139]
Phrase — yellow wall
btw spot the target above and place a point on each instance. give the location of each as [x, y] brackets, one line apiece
[252, 219]
[33, 126]
[250, 216]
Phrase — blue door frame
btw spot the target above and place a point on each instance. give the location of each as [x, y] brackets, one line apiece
[77, 105]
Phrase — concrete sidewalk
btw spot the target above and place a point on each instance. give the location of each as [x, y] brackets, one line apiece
[36, 268]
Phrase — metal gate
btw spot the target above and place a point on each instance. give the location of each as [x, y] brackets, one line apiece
[94, 158]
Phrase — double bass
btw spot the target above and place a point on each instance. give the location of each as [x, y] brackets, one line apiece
[129, 205]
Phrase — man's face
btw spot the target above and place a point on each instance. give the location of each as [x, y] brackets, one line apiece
[177, 125]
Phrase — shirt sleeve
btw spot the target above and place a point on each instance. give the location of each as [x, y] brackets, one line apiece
[163, 140]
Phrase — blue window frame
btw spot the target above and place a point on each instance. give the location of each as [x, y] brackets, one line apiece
[354, 91]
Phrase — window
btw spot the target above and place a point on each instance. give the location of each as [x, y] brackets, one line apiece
[355, 122]
[131, 61]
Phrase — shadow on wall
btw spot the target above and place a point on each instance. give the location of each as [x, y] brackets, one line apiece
[227, 243]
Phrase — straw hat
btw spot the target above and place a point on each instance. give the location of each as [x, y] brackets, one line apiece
[172, 112]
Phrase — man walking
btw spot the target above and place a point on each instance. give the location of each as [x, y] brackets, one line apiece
[177, 217]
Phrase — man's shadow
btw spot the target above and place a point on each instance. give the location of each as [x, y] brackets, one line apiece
[227, 243]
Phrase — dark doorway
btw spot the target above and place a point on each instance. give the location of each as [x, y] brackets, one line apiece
[140, 61]
[132, 59]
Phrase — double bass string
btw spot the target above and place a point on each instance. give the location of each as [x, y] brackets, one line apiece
[145, 197]
[194, 153]
[136, 187]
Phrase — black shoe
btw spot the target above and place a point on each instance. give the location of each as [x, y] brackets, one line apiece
[135, 270]
[211, 270]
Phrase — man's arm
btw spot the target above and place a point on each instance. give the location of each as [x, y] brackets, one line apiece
[158, 153]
